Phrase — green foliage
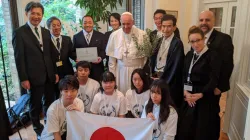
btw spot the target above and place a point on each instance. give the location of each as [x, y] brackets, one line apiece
[6, 60]
[98, 8]
[148, 45]
[63, 9]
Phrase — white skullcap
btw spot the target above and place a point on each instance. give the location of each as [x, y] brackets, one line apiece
[128, 13]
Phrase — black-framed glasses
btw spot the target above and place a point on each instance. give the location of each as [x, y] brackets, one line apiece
[193, 41]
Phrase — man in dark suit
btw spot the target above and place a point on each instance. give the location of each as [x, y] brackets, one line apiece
[168, 62]
[90, 38]
[62, 49]
[222, 44]
[36, 70]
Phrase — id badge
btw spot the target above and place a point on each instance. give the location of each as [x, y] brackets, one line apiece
[59, 63]
[188, 87]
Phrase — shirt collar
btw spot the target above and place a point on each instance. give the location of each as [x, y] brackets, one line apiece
[85, 33]
[203, 51]
[169, 39]
[33, 27]
[209, 33]
[54, 37]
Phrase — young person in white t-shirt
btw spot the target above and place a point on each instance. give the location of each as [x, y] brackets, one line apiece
[88, 87]
[138, 94]
[109, 101]
[161, 109]
[55, 128]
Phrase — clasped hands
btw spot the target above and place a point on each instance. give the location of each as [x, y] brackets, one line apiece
[192, 98]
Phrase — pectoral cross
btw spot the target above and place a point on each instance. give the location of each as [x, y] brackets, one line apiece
[126, 52]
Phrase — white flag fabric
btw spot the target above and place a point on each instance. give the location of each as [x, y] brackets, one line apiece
[83, 126]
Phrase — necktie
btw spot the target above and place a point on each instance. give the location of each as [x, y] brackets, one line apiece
[36, 31]
[58, 44]
[88, 38]
[195, 57]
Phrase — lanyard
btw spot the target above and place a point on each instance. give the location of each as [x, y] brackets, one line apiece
[194, 62]
[40, 34]
[55, 44]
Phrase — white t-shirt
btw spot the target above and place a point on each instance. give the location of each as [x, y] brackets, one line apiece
[109, 105]
[56, 118]
[87, 93]
[135, 102]
[166, 130]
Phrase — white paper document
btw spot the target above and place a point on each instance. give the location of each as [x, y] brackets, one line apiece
[87, 54]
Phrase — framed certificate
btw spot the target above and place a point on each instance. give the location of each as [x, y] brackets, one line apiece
[87, 54]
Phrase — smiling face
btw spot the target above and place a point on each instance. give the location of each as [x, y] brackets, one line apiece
[114, 23]
[168, 28]
[35, 16]
[55, 28]
[127, 23]
[206, 21]
[88, 24]
[157, 20]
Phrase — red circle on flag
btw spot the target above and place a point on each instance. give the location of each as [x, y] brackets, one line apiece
[107, 133]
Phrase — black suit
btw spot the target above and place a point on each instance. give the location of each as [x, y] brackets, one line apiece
[66, 52]
[173, 69]
[36, 66]
[97, 40]
[222, 44]
[107, 34]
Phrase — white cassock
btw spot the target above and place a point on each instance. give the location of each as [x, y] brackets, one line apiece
[123, 57]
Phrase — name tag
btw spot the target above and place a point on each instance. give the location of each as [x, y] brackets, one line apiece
[188, 87]
[59, 63]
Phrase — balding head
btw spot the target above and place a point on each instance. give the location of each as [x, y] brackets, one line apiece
[206, 21]
[127, 22]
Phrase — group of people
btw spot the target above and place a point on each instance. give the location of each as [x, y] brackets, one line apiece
[181, 93]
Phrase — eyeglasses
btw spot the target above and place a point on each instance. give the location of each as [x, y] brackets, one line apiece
[193, 41]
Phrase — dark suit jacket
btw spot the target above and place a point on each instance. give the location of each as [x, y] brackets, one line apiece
[32, 63]
[222, 44]
[173, 69]
[97, 40]
[67, 51]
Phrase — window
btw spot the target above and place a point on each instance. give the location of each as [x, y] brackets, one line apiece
[138, 7]
[10, 88]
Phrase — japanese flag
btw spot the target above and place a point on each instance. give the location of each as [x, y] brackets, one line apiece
[83, 126]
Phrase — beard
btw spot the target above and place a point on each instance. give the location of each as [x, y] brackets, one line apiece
[206, 26]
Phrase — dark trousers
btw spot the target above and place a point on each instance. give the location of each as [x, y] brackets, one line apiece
[41, 97]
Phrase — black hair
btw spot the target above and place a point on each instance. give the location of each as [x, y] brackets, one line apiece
[68, 82]
[107, 77]
[161, 87]
[116, 16]
[83, 64]
[160, 11]
[88, 16]
[169, 17]
[32, 5]
[144, 78]
[51, 19]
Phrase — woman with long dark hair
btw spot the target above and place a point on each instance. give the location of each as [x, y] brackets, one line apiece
[138, 94]
[161, 109]
[109, 101]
